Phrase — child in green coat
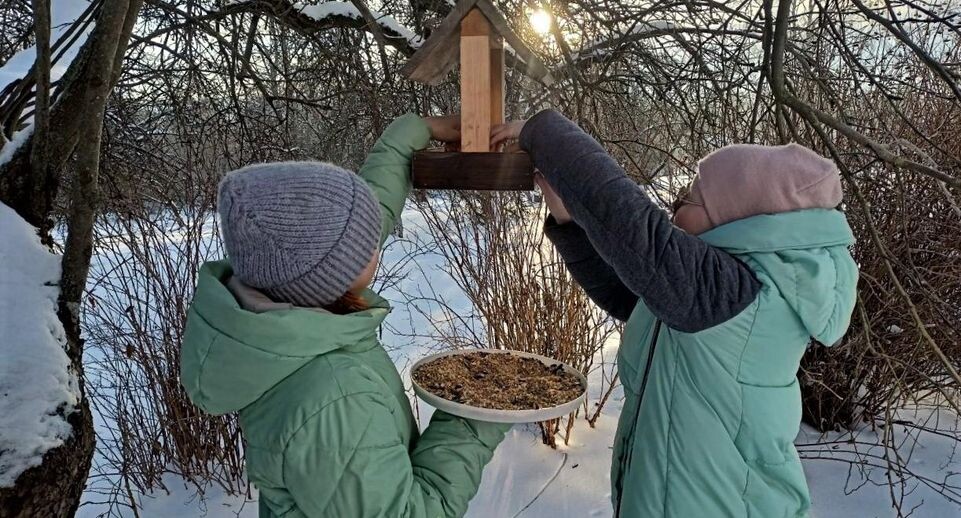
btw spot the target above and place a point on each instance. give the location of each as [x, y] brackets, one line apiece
[284, 333]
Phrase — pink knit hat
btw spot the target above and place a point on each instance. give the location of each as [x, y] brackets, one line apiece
[744, 180]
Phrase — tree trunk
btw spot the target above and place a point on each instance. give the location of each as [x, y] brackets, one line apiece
[54, 488]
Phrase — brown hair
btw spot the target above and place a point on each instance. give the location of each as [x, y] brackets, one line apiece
[348, 303]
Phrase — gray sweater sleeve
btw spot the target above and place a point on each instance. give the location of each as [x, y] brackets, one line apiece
[687, 283]
[598, 279]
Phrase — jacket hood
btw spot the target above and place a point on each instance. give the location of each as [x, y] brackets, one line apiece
[231, 356]
[805, 254]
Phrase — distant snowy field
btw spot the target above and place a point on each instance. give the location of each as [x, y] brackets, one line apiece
[528, 479]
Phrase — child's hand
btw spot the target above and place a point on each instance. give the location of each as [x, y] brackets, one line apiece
[444, 129]
[507, 131]
[554, 203]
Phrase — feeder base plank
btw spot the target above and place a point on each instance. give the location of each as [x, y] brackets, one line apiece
[473, 171]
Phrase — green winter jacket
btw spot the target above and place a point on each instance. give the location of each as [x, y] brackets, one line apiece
[721, 408]
[327, 423]
[716, 327]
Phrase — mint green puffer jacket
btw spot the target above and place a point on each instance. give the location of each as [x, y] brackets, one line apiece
[328, 427]
[714, 432]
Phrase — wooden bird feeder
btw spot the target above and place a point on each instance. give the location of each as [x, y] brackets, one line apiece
[473, 33]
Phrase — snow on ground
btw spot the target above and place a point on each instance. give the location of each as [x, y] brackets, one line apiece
[62, 14]
[35, 385]
[183, 502]
[526, 479]
[847, 476]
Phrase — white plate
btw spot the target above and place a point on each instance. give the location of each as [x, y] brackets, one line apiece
[499, 416]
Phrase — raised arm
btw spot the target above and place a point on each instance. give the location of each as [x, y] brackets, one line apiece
[598, 279]
[368, 471]
[387, 168]
[686, 283]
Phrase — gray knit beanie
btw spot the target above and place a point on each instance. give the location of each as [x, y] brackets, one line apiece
[301, 232]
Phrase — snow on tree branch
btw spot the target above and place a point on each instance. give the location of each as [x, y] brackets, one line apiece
[8, 148]
[330, 10]
[598, 49]
[310, 17]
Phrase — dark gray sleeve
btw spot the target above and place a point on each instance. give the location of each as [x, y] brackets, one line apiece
[597, 277]
[687, 283]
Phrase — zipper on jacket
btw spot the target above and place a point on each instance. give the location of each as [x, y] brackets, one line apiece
[628, 449]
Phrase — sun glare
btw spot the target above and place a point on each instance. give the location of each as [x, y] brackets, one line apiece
[541, 21]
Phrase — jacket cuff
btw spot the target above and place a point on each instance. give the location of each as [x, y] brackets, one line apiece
[409, 130]
[569, 239]
[488, 434]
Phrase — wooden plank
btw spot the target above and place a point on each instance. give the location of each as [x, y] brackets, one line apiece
[432, 67]
[497, 80]
[475, 83]
[438, 55]
[472, 171]
[475, 24]
[533, 66]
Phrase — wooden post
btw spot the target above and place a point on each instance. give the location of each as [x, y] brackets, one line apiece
[475, 82]
[497, 80]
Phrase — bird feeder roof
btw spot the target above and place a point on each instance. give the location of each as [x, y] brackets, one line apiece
[438, 55]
